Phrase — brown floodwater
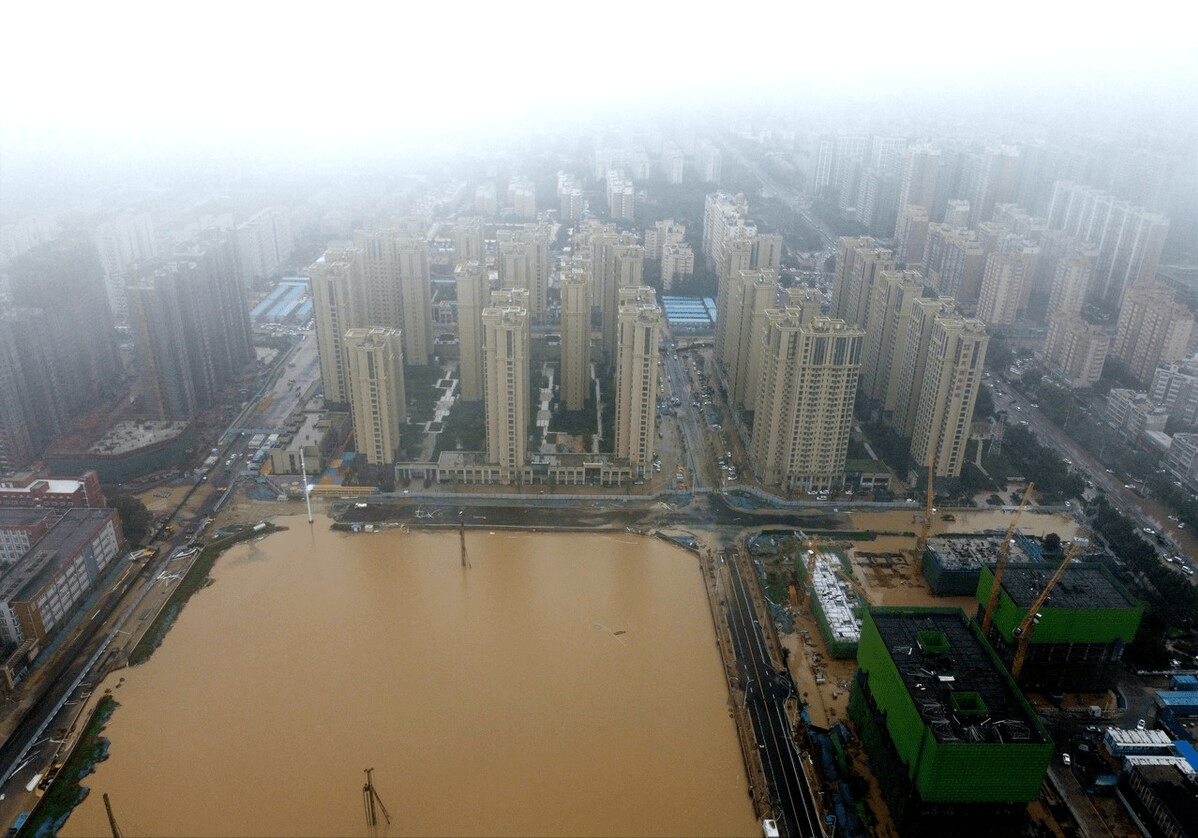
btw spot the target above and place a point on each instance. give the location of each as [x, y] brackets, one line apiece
[565, 684]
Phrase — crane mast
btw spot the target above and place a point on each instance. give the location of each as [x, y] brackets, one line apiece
[1023, 632]
[1004, 556]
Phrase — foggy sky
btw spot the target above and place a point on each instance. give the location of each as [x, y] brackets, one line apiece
[90, 83]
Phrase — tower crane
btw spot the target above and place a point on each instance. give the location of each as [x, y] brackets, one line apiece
[1004, 556]
[372, 802]
[1023, 632]
[921, 543]
[112, 824]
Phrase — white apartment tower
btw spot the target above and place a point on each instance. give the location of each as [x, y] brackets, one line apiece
[376, 390]
[636, 377]
[505, 382]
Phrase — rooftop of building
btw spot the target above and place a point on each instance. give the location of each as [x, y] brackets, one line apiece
[30, 483]
[24, 516]
[125, 437]
[1083, 586]
[960, 690]
[65, 539]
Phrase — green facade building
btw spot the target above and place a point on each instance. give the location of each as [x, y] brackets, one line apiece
[941, 720]
[1077, 644]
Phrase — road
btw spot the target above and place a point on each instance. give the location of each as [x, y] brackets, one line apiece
[766, 691]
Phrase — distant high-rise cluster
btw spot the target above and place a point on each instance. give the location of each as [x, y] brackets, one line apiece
[58, 348]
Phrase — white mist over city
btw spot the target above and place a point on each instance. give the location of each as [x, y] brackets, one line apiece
[635, 419]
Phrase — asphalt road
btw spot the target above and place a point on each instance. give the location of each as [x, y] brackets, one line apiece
[765, 694]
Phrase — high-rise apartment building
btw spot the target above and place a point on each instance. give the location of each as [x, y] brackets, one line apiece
[955, 261]
[576, 332]
[65, 279]
[505, 387]
[121, 241]
[910, 235]
[1003, 286]
[468, 241]
[804, 409]
[636, 377]
[473, 293]
[263, 243]
[917, 186]
[953, 373]
[621, 196]
[334, 278]
[859, 262]
[396, 288]
[895, 294]
[378, 406]
[742, 313]
[522, 197]
[914, 358]
[992, 176]
[1128, 239]
[524, 263]
[1075, 349]
[1153, 329]
[1175, 387]
[31, 411]
[190, 327]
[569, 196]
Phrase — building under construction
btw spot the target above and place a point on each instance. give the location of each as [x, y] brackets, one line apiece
[947, 732]
[1077, 643]
[951, 563]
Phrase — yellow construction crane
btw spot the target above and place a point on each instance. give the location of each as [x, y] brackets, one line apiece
[1023, 632]
[1004, 555]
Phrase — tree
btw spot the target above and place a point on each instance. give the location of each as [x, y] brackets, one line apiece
[135, 518]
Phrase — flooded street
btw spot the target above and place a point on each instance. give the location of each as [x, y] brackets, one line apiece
[563, 685]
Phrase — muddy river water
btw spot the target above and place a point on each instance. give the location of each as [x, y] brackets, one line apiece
[562, 685]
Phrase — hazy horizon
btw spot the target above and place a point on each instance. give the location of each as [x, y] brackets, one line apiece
[89, 89]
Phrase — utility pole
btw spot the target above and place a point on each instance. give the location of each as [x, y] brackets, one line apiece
[116, 830]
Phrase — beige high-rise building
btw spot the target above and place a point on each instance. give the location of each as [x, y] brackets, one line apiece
[1069, 283]
[576, 333]
[468, 241]
[396, 288]
[334, 279]
[1153, 329]
[953, 373]
[1003, 283]
[895, 294]
[505, 389]
[751, 292]
[377, 403]
[859, 262]
[618, 262]
[913, 359]
[804, 409]
[471, 282]
[955, 262]
[911, 235]
[636, 377]
[1076, 349]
